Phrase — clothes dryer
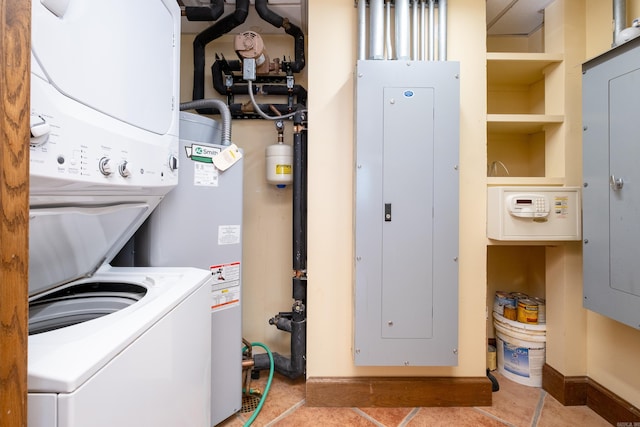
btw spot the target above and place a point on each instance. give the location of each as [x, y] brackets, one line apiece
[108, 346]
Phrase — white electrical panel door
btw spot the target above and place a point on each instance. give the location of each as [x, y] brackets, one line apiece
[611, 86]
[533, 213]
[406, 213]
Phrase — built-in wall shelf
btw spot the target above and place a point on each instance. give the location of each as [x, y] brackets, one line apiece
[519, 67]
[525, 181]
[521, 123]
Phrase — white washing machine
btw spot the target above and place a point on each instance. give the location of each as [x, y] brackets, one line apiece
[108, 346]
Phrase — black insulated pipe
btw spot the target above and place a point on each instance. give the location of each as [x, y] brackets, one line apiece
[299, 203]
[222, 67]
[205, 13]
[215, 31]
[293, 367]
[293, 30]
[295, 322]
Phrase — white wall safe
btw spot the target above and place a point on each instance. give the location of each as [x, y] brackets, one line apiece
[533, 213]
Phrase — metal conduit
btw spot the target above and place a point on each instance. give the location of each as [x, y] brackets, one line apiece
[415, 31]
[619, 18]
[423, 31]
[402, 29]
[362, 29]
[432, 31]
[442, 30]
[387, 30]
[376, 28]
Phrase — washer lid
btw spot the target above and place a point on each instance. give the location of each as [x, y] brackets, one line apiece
[67, 243]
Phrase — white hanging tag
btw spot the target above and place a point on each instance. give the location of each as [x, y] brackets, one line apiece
[227, 157]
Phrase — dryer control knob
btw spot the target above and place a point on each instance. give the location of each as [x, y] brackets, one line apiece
[124, 170]
[105, 166]
[173, 163]
[39, 130]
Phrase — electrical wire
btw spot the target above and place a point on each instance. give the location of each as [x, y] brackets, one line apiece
[266, 388]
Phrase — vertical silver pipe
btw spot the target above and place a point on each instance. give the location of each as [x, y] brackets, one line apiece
[387, 30]
[423, 30]
[619, 18]
[442, 30]
[432, 31]
[362, 29]
[402, 29]
[376, 29]
[414, 30]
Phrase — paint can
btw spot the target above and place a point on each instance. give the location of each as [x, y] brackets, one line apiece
[542, 309]
[521, 350]
[518, 296]
[527, 311]
[510, 312]
[501, 300]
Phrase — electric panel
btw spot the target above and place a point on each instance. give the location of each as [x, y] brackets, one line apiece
[611, 194]
[406, 213]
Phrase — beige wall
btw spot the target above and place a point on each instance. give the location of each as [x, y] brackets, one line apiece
[267, 219]
[332, 37]
[613, 349]
[581, 342]
[267, 247]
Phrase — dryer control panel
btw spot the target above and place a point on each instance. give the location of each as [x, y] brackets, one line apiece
[104, 113]
[533, 213]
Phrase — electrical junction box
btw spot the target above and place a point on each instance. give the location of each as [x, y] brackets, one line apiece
[406, 213]
[533, 213]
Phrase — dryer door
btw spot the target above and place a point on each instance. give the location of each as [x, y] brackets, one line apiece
[119, 57]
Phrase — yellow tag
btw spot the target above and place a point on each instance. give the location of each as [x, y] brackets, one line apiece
[283, 169]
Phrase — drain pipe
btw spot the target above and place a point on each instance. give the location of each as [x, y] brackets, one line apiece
[215, 31]
[295, 322]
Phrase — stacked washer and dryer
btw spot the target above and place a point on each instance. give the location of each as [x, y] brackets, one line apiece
[110, 346]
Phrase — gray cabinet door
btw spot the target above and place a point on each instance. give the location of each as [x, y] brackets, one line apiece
[611, 196]
[406, 213]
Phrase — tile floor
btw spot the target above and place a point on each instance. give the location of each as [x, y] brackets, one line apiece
[513, 405]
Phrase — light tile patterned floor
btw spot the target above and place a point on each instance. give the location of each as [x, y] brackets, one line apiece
[514, 405]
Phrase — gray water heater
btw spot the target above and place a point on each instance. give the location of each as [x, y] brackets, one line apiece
[406, 213]
[199, 224]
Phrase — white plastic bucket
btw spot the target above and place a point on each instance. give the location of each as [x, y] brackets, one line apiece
[521, 350]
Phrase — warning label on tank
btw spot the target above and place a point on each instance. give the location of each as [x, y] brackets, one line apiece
[225, 289]
[204, 171]
[229, 234]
